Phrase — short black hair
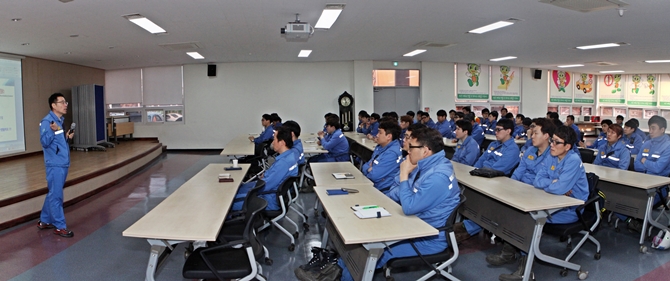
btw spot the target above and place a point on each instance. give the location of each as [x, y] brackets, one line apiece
[410, 113]
[633, 123]
[549, 112]
[567, 134]
[557, 122]
[507, 124]
[333, 121]
[385, 114]
[546, 126]
[505, 109]
[450, 111]
[658, 120]
[520, 116]
[465, 126]
[53, 98]
[441, 112]
[571, 117]
[509, 115]
[460, 114]
[284, 134]
[526, 121]
[425, 114]
[394, 115]
[485, 110]
[416, 126]
[619, 117]
[430, 138]
[329, 114]
[494, 114]
[267, 117]
[553, 115]
[467, 108]
[375, 116]
[360, 113]
[606, 121]
[293, 127]
[365, 115]
[419, 112]
[275, 117]
[391, 127]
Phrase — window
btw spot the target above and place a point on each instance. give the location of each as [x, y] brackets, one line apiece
[395, 78]
[635, 113]
[155, 116]
[174, 116]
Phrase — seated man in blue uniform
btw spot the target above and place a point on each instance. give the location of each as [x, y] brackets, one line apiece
[276, 120]
[360, 117]
[613, 152]
[467, 149]
[443, 125]
[426, 120]
[493, 120]
[519, 131]
[364, 123]
[619, 120]
[602, 138]
[428, 189]
[532, 160]
[501, 155]
[452, 119]
[562, 173]
[374, 126]
[570, 122]
[485, 122]
[265, 136]
[335, 142]
[529, 135]
[633, 137]
[477, 132]
[285, 166]
[405, 122]
[385, 161]
[297, 149]
[418, 117]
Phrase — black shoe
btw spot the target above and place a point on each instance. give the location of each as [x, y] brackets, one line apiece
[316, 261]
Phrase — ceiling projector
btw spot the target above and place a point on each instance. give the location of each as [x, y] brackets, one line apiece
[297, 31]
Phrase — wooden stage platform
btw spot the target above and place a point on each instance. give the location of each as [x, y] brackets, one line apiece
[23, 184]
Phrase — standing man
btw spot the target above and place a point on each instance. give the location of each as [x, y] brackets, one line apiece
[57, 162]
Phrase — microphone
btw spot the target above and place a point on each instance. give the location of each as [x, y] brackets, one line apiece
[72, 127]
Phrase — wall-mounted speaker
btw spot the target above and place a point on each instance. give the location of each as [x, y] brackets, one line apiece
[211, 70]
[537, 73]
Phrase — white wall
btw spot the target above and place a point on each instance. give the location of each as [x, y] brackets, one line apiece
[362, 77]
[534, 94]
[437, 86]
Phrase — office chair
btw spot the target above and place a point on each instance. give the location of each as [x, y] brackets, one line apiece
[588, 156]
[284, 201]
[232, 260]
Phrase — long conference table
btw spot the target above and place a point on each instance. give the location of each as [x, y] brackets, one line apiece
[360, 242]
[240, 145]
[630, 193]
[512, 210]
[188, 214]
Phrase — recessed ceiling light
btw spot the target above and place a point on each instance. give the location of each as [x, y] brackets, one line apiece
[503, 58]
[304, 53]
[611, 71]
[657, 61]
[25, 44]
[329, 16]
[195, 55]
[414, 53]
[74, 35]
[598, 46]
[16, 19]
[145, 23]
[490, 27]
[570, 65]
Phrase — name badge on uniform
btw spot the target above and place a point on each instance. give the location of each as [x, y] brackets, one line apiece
[553, 167]
[531, 157]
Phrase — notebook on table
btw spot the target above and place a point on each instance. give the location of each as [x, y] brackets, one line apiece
[342, 176]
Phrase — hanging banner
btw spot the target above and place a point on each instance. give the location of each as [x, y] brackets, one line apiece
[560, 89]
[664, 90]
[611, 89]
[641, 89]
[584, 88]
[506, 88]
[473, 81]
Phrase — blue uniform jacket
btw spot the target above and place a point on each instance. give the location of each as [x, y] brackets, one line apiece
[373, 129]
[298, 151]
[54, 144]
[430, 123]
[525, 147]
[657, 152]
[477, 133]
[337, 146]
[485, 123]
[519, 131]
[500, 156]
[602, 138]
[385, 163]
[577, 131]
[284, 167]
[530, 165]
[467, 152]
[491, 130]
[431, 193]
[267, 134]
[570, 176]
[445, 129]
[613, 156]
[452, 124]
[634, 142]
[401, 139]
[363, 130]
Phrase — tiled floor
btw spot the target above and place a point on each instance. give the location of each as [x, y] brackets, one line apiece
[99, 252]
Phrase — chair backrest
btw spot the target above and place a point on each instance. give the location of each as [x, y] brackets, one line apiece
[284, 189]
[256, 206]
[587, 155]
[253, 192]
[449, 224]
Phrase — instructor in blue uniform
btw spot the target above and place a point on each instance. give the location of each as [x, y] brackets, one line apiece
[57, 161]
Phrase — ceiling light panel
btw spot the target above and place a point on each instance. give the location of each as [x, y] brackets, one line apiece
[145, 23]
[195, 55]
[304, 53]
[329, 16]
[570, 65]
[611, 71]
[599, 46]
[503, 58]
[414, 53]
[490, 27]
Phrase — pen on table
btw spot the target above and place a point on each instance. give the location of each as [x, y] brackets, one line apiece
[370, 207]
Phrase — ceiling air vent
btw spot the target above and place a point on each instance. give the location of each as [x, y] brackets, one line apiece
[602, 63]
[586, 6]
[432, 44]
[186, 46]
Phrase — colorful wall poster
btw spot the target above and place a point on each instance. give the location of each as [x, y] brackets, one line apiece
[560, 89]
[584, 88]
[611, 89]
[473, 81]
[641, 89]
[664, 90]
[506, 85]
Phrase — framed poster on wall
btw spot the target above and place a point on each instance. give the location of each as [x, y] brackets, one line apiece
[472, 81]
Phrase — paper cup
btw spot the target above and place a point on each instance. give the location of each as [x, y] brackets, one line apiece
[234, 163]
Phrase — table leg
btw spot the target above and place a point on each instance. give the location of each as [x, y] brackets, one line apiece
[371, 263]
[160, 250]
[324, 238]
[535, 250]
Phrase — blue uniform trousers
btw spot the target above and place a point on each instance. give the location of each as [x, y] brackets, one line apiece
[52, 210]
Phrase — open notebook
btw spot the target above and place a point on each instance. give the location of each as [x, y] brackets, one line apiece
[341, 176]
[370, 211]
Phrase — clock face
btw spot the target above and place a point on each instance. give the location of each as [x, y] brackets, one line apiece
[345, 101]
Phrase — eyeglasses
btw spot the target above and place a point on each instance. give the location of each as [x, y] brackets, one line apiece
[63, 102]
[554, 142]
[407, 136]
[499, 129]
[415, 146]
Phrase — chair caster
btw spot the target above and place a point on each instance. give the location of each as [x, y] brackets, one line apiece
[268, 261]
[597, 256]
[643, 249]
[564, 272]
[296, 234]
[582, 274]
[291, 248]
[306, 217]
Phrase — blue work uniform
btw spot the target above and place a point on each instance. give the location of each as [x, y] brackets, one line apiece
[657, 153]
[373, 129]
[337, 146]
[452, 124]
[491, 130]
[430, 123]
[363, 130]
[298, 151]
[385, 163]
[570, 176]
[477, 133]
[485, 123]
[577, 131]
[431, 193]
[401, 139]
[525, 147]
[602, 138]
[266, 135]
[500, 156]
[445, 129]
[634, 141]
[530, 164]
[467, 152]
[57, 162]
[285, 166]
[613, 156]
[519, 131]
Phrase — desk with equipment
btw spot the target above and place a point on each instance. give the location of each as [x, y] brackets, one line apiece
[512, 210]
[630, 193]
[188, 214]
[241, 145]
[360, 242]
